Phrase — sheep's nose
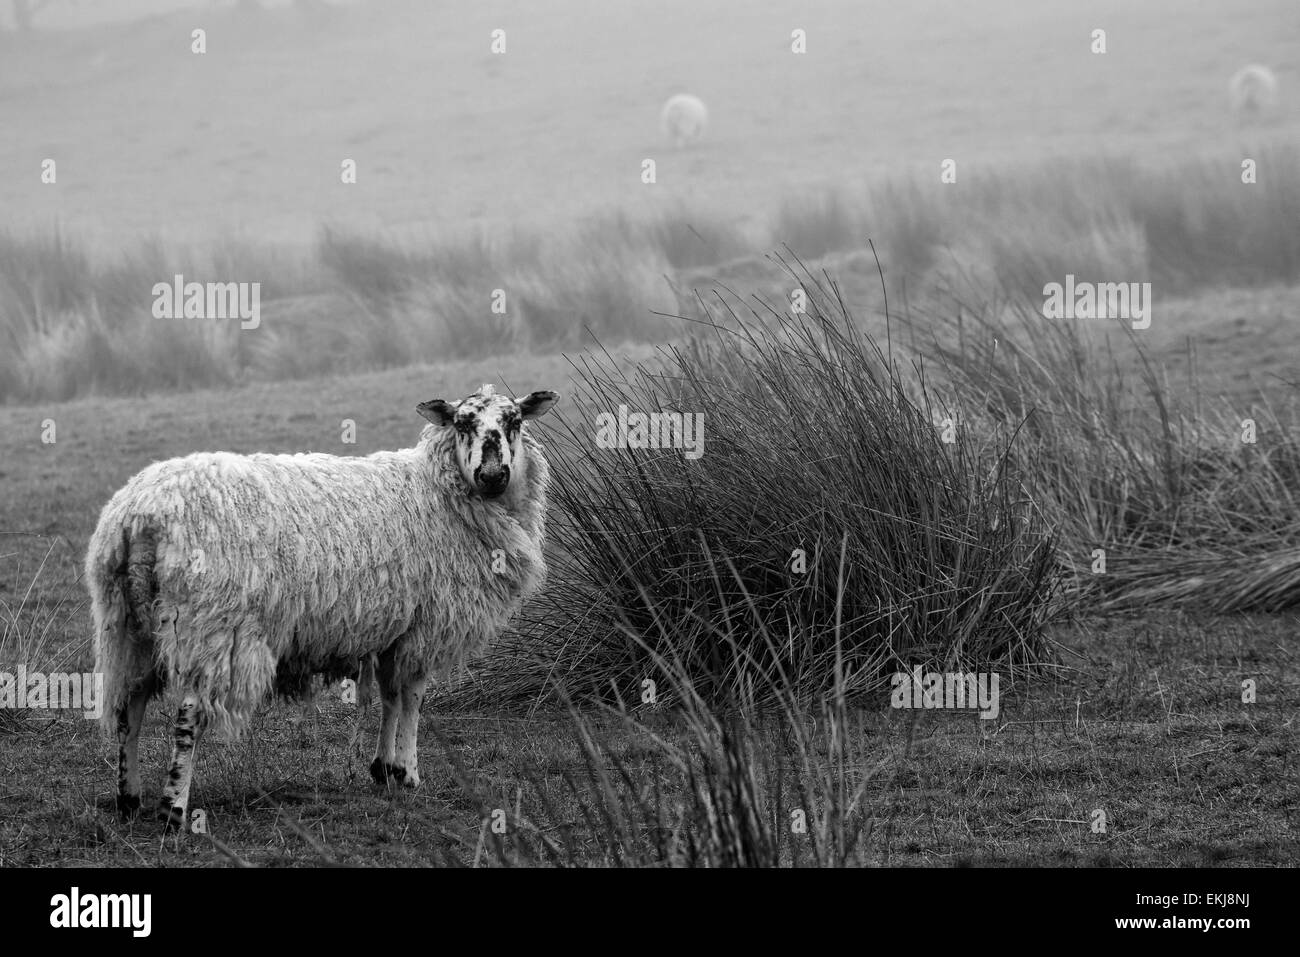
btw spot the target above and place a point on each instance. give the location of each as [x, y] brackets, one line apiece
[492, 481]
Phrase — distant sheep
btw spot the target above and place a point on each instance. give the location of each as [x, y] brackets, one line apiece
[684, 119]
[1252, 92]
[233, 576]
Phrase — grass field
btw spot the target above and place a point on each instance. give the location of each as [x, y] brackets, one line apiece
[521, 173]
[1149, 729]
[1142, 718]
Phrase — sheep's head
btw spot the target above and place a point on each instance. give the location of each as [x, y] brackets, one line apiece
[489, 428]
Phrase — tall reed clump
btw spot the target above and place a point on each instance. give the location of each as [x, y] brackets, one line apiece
[825, 503]
[1204, 225]
[1187, 502]
[776, 787]
[744, 784]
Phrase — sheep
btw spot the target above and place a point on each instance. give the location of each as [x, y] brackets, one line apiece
[683, 119]
[232, 576]
[1252, 92]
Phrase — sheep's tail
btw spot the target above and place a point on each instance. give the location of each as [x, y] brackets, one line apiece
[122, 584]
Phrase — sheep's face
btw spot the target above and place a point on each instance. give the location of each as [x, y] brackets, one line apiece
[489, 446]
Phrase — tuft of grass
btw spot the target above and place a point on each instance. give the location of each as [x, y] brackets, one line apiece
[826, 509]
[1206, 226]
[910, 224]
[31, 632]
[750, 786]
[1167, 484]
[816, 225]
[682, 239]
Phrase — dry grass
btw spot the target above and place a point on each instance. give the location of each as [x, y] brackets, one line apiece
[1192, 500]
[72, 324]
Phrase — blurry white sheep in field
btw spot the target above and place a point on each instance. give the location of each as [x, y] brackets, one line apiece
[684, 119]
[233, 576]
[1252, 92]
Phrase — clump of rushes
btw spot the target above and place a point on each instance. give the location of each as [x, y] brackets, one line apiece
[827, 508]
[1192, 500]
[779, 786]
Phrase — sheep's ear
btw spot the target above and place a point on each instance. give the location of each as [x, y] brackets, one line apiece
[537, 404]
[437, 411]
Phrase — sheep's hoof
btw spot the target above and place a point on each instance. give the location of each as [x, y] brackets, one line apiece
[128, 805]
[392, 774]
[173, 817]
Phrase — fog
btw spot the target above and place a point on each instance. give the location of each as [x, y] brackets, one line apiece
[247, 139]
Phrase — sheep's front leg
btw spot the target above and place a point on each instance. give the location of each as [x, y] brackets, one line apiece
[395, 757]
[408, 728]
[384, 763]
[400, 695]
[190, 724]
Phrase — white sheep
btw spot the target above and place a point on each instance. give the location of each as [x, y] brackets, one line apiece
[232, 576]
[1252, 92]
[683, 119]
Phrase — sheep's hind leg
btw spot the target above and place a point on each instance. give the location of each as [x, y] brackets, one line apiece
[190, 724]
[129, 718]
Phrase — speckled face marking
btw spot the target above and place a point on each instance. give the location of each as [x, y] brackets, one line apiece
[488, 434]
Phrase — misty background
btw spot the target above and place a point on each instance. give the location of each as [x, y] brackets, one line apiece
[245, 141]
[829, 126]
